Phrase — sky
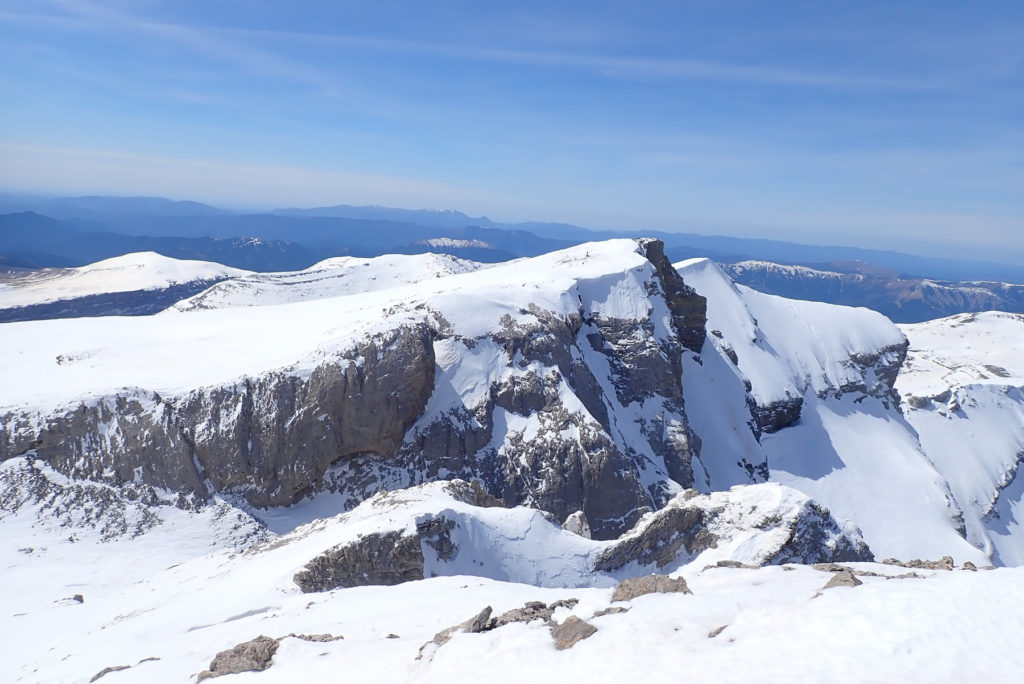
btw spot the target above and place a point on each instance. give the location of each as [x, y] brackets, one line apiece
[874, 124]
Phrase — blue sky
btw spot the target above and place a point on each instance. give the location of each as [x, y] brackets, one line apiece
[863, 123]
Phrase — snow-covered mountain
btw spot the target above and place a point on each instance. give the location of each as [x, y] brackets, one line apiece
[903, 299]
[541, 430]
[133, 284]
[330, 278]
[963, 391]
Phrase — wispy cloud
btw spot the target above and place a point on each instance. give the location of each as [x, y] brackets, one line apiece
[617, 66]
[214, 42]
[201, 41]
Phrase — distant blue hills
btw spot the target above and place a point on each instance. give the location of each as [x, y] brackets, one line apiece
[72, 231]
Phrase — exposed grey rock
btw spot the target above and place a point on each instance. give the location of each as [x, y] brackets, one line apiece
[571, 632]
[255, 655]
[732, 564]
[631, 588]
[532, 610]
[716, 631]
[968, 565]
[375, 559]
[126, 511]
[816, 537]
[478, 622]
[436, 533]
[775, 415]
[611, 610]
[660, 540]
[689, 309]
[577, 524]
[270, 438]
[690, 522]
[474, 625]
[944, 563]
[844, 578]
[318, 638]
[108, 670]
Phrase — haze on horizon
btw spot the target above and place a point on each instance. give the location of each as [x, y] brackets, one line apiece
[893, 125]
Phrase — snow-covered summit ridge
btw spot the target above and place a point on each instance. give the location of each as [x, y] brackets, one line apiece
[57, 361]
[334, 277]
[447, 242]
[785, 347]
[127, 273]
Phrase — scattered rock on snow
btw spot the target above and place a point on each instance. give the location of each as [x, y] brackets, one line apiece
[108, 670]
[571, 632]
[474, 625]
[944, 563]
[716, 631]
[611, 610]
[845, 578]
[320, 638]
[732, 564]
[255, 655]
[631, 588]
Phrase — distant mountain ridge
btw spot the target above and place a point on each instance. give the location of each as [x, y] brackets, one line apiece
[902, 299]
[368, 231]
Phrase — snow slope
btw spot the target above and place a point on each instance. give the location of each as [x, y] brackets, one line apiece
[774, 624]
[51, 362]
[851, 450]
[128, 273]
[786, 347]
[329, 278]
[963, 391]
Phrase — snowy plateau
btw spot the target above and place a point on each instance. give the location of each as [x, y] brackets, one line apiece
[589, 465]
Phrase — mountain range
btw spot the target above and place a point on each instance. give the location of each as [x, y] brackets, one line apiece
[400, 464]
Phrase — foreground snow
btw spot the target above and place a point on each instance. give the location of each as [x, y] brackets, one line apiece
[169, 623]
[160, 603]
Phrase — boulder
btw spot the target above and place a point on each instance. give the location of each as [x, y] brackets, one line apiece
[255, 655]
[571, 632]
[631, 588]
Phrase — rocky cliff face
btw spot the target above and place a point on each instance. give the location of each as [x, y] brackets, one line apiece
[437, 529]
[574, 405]
[269, 438]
